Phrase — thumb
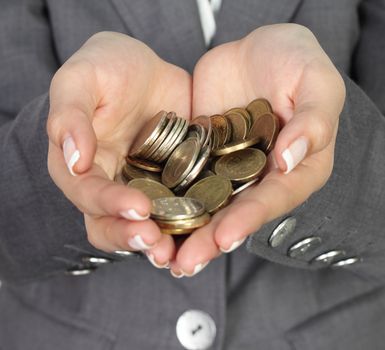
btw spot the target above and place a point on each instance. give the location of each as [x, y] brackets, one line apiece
[69, 125]
[315, 120]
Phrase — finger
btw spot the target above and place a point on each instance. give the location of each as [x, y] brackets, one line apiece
[162, 254]
[271, 198]
[95, 194]
[196, 252]
[318, 102]
[110, 233]
[73, 101]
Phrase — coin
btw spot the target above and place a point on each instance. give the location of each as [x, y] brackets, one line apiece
[180, 162]
[197, 130]
[258, 107]
[183, 226]
[244, 113]
[206, 123]
[149, 134]
[266, 128]
[244, 186]
[239, 126]
[241, 166]
[199, 165]
[223, 128]
[214, 191]
[130, 172]
[176, 208]
[144, 164]
[235, 146]
[171, 119]
[152, 189]
[176, 139]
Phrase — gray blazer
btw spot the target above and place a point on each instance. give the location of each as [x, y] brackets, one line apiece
[273, 295]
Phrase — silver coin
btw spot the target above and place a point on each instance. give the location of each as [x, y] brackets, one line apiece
[244, 186]
[206, 123]
[176, 208]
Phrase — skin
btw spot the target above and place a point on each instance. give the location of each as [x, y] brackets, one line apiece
[107, 91]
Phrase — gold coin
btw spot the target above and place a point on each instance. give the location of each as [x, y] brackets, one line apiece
[241, 166]
[183, 225]
[144, 164]
[199, 165]
[152, 189]
[241, 188]
[223, 128]
[176, 231]
[239, 126]
[244, 113]
[176, 208]
[214, 192]
[258, 107]
[180, 163]
[149, 134]
[266, 128]
[130, 172]
[177, 138]
[234, 146]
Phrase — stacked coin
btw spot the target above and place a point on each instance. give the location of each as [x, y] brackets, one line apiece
[205, 162]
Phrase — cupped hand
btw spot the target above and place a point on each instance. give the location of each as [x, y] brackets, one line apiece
[285, 64]
[99, 100]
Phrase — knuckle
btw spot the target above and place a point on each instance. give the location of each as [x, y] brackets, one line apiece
[323, 130]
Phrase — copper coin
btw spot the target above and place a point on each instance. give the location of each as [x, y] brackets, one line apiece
[206, 123]
[258, 107]
[266, 128]
[241, 166]
[235, 146]
[244, 113]
[214, 192]
[144, 164]
[222, 125]
[149, 134]
[239, 128]
[152, 189]
[130, 172]
[180, 162]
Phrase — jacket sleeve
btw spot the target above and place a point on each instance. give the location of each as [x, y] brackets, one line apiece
[342, 226]
[41, 233]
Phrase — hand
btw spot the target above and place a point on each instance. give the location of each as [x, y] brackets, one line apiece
[285, 64]
[99, 100]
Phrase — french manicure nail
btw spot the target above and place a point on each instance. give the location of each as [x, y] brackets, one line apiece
[295, 153]
[71, 154]
[132, 214]
[234, 246]
[198, 268]
[137, 243]
[152, 260]
[173, 274]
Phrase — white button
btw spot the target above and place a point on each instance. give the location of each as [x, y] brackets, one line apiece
[196, 330]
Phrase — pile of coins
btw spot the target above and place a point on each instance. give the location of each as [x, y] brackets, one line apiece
[192, 170]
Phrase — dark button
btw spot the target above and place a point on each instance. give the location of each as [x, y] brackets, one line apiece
[93, 260]
[329, 257]
[282, 231]
[346, 262]
[305, 246]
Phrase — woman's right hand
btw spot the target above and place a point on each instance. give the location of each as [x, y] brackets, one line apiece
[99, 100]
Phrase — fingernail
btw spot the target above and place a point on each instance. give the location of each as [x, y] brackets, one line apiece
[137, 243]
[152, 260]
[173, 274]
[132, 214]
[71, 154]
[234, 246]
[295, 153]
[198, 268]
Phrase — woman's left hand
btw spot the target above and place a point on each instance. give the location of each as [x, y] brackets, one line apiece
[285, 64]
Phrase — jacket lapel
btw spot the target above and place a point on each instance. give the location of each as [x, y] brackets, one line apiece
[170, 27]
[238, 18]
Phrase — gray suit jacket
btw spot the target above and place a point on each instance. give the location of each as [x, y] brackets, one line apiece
[263, 297]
